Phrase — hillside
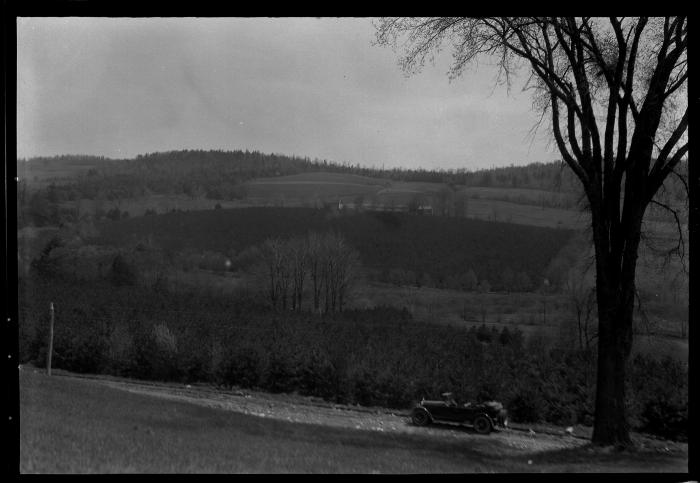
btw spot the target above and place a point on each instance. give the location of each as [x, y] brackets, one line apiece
[312, 188]
[437, 247]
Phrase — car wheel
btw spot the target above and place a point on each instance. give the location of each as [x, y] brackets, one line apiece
[420, 417]
[482, 425]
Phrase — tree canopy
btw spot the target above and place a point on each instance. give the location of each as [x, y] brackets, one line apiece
[614, 92]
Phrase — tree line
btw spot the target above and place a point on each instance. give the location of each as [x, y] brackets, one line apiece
[186, 170]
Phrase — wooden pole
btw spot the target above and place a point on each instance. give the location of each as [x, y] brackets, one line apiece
[48, 358]
[544, 312]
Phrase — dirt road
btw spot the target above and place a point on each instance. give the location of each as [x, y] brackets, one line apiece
[310, 410]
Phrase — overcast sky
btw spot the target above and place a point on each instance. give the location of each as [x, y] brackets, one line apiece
[308, 87]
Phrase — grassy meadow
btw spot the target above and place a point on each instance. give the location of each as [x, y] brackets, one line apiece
[73, 426]
[70, 425]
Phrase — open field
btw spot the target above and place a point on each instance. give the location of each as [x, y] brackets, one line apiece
[535, 314]
[314, 189]
[524, 214]
[313, 195]
[86, 425]
[321, 177]
[513, 205]
[455, 307]
[529, 195]
[311, 188]
[158, 203]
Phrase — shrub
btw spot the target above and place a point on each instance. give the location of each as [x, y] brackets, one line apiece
[241, 368]
[114, 214]
[318, 376]
[526, 406]
[281, 374]
[364, 383]
[81, 353]
[164, 339]
[658, 391]
[155, 354]
[123, 272]
[119, 350]
[47, 265]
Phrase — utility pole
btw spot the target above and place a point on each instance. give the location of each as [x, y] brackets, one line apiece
[48, 357]
[544, 312]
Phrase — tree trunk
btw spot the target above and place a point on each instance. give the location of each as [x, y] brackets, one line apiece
[580, 328]
[615, 334]
[317, 293]
[616, 261]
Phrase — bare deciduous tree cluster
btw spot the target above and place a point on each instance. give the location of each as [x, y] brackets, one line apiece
[323, 266]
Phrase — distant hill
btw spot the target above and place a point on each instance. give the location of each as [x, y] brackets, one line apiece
[51, 189]
[159, 172]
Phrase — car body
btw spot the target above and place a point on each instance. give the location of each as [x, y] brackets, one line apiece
[485, 417]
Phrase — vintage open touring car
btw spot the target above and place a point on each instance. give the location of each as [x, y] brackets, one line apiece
[484, 417]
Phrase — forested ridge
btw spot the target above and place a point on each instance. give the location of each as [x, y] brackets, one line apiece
[192, 171]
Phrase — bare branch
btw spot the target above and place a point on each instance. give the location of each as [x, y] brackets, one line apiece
[671, 142]
[679, 248]
[576, 167]
[659, 172]
[677, 83]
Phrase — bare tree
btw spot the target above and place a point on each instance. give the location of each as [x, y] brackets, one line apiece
[580, 293]
[344, 270]
[298, 258]
[613, 90]
[461, 205]
[276, 270]
[332, 267]
[444, 201]
[316, 247]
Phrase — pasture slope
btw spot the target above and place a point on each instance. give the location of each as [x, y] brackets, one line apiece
[93, 424]
[515, 205]
[438, 246]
